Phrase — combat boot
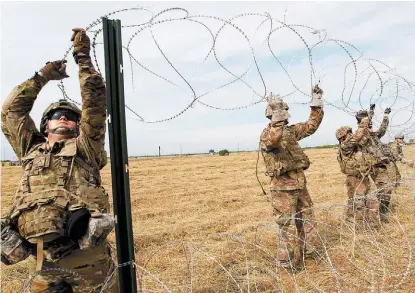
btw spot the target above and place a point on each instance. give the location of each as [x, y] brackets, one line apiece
[292, 268]
[383, 211]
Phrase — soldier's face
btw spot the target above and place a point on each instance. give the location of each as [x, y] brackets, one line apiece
[62, 121]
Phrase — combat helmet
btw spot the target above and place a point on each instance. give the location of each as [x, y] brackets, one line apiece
[342, 131]
[399, 136]
[61, 104]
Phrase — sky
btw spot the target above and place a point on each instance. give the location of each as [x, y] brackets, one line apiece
[372, 33]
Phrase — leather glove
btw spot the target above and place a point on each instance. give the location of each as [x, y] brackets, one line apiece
[81, 44]
[387, 110]
[275, 101]
[14, 248]
[317, 97]
[99, 226]
[280, 115]
[55, 70]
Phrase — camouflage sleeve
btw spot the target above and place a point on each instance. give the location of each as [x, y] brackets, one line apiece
[16, 123]
[349, 145]
[304, 129]
[271, 136]
[360, 137]
[94, 106]
[383, 127]
[397, 152]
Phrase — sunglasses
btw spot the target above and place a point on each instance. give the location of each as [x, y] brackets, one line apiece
[71, 116]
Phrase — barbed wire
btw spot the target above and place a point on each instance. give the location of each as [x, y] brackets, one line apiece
[388, 257]
[311, 47]
[370, 243]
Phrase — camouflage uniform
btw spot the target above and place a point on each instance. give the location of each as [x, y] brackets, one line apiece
[291, 202]
[397, 152]
[384, 173]
[356, 167]
[64, 175]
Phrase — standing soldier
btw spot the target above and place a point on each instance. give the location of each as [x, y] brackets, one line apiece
[285, 163]
[355, 163]
[384, 172]
[397, 150]
[60, 212]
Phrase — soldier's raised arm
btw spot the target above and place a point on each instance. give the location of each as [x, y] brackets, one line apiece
[384, 125]
[362, 134]
[304, 129]
[94, 102]
[16, 123]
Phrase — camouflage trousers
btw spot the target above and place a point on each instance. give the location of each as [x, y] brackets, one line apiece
[385, 178]
[360, 206]
[81, 271]
[293, 209]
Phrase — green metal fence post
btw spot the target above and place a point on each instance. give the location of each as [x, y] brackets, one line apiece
[119, 154]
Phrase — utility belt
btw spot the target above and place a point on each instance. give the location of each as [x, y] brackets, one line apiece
[274, 174]
[59, 248]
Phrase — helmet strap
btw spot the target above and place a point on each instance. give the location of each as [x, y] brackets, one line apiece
[63, 131]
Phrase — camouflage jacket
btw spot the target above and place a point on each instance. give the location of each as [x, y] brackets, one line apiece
[20, 129]
[272, 134]
[350, 155]
[397, 150]
[71, 164]
[279, 144]
[370, 144]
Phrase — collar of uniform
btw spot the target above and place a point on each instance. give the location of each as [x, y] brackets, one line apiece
[57, 146]
[44, 148]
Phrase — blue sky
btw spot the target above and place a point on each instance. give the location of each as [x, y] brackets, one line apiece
[36, 32]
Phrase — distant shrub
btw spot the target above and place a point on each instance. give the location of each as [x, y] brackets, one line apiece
[224, 152]
[212, 151]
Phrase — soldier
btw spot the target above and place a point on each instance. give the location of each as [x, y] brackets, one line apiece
[356, 166]
[397, 150]
[60, 212]
[285, 164]
[384, 172]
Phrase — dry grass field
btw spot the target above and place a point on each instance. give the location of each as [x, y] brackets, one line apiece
[202, 224]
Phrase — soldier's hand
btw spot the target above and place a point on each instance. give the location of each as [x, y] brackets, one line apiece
[275, 101]
[55, 70]
[81, 44]
[99, 227]
[317, 97]
[387, 110]
[372, 106]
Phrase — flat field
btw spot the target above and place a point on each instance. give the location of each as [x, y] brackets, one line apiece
[202, 224]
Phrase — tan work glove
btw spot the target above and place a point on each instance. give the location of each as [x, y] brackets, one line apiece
[13, 247]
[274, 101]
[55, 70]
[81, 44]
[99, 227]
[317, 97]
[279, 112]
